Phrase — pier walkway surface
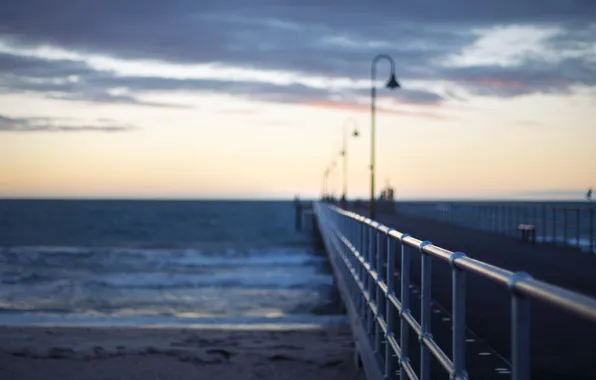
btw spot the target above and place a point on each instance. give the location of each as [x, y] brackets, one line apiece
[562, 345]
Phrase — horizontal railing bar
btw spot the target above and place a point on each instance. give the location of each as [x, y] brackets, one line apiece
[370, 284]
[374, 274]
[441, 253]
[382, 324]
[489, 271]
[383, 287]
[384, 229]
[407, 366]
[437, 353]
[373, 308]
[394, 301]
[554, 295]
[394, 346]
[412, 322]
[366, 296]
[573, 302]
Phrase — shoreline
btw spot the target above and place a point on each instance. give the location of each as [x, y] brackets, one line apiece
[38, 352]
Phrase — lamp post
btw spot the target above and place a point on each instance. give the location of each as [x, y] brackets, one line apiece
[331, 187]
[392, 84]
[344, 154]
[325, 174]
[326, 187]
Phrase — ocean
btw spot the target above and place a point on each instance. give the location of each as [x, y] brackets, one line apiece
[153, 263]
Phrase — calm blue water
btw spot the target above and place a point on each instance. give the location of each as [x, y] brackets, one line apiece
[159, 262]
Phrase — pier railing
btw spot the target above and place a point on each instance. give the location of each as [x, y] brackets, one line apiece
[564, 223]
[365, 255]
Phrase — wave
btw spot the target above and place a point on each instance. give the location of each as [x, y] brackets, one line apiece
[233, 280]
[111, 281]
[285, 322]
[158, 257]
[28, 278]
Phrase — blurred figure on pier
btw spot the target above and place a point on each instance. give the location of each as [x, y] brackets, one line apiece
[589, 194]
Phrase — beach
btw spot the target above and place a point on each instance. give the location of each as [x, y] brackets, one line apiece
[90, 353]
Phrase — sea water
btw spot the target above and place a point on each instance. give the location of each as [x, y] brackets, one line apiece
[88, 262]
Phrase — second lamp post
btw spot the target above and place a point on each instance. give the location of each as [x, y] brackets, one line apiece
[344, 154]
[392, 84]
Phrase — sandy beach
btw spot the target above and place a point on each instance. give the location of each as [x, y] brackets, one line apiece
[171, 353]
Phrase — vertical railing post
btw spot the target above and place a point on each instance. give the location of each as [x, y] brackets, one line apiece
[520, 329]
[544, 233]
[425, 301]
[371, 249]
[497, 219]
[389, 309]
[564, 225]
[592, 246]
[514, 215]
[554, 224]
[459, 317]
[404, 327]
[506, 220]
[511, 216]
[535, 216]
[363, 274]
[379, 300]
[501, 224]
[577, 227]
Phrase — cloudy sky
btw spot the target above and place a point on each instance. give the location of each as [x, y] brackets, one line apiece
[186, 98]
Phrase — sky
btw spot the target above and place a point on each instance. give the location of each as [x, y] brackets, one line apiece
[251, 99]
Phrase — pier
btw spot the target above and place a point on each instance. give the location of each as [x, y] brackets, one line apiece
[420, 310]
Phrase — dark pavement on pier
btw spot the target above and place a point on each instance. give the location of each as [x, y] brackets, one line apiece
[563, 345]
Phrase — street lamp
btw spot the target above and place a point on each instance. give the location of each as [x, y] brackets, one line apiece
[344, 154]
[392, 84]
[331, 187]
[326, 187]
[325, 174]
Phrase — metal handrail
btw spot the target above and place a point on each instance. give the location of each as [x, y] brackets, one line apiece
[365, 246]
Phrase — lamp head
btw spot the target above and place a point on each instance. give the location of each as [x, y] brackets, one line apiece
[392, 84]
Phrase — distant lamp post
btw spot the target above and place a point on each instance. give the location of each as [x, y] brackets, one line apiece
[392, 84]
[332, 166]
[344, 154]
[325, 175]
[326, 188]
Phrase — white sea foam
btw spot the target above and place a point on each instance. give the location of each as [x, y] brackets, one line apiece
[193, 285]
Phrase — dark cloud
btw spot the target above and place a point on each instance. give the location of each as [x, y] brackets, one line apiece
[106, 98]
[303, 35]
[86, 84]
[37, 124]
[11, 64]
[63, 79]
[327, 38]
[531, 76]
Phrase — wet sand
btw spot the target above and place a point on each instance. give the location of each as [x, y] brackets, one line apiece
[83, 353]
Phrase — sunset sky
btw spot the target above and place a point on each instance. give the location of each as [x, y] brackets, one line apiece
[247, 99]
